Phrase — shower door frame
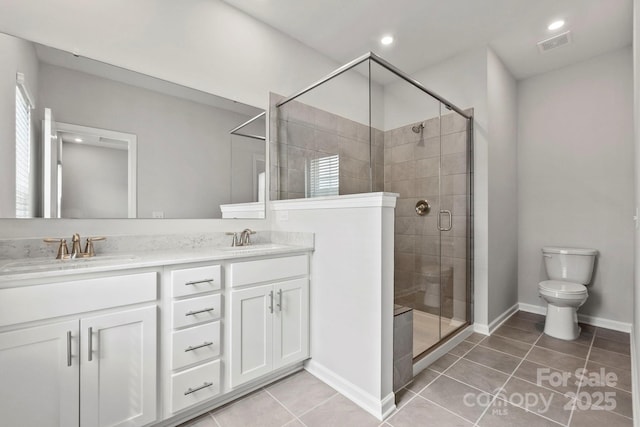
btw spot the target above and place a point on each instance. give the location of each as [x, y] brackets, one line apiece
[370, 56]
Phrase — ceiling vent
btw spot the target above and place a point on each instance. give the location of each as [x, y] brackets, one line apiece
[554, 42]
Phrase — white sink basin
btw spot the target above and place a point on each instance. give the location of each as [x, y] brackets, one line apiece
[36, 265]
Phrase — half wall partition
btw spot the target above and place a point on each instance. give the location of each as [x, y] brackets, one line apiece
[369, 127]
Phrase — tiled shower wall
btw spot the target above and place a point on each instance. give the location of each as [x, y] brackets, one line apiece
[423, 254]
[300, 133]
[403, 162]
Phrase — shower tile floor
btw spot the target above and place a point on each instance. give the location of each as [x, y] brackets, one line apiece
[426, 330]
[516, 377]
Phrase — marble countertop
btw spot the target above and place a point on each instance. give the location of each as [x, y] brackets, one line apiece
[41, 268]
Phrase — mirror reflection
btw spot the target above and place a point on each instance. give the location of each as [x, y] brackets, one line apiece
[85, 139]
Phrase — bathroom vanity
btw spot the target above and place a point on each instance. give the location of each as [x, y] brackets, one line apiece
[149, 339]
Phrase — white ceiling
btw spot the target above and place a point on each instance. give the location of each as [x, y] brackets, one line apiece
[429, 31]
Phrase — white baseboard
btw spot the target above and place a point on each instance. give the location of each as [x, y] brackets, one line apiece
[589, 320]
[485, 329]
[378, 408]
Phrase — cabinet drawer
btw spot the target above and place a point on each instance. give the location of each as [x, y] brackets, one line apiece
[205, 380]
[192, 281]
[265, 270]
[28, 303]
[193, 345]
[196, 310]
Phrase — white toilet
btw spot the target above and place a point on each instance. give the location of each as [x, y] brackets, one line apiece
[569, 271]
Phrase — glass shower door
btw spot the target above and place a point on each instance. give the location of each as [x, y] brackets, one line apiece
[453, 220]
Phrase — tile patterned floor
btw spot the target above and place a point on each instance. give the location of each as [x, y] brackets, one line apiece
[516, 377]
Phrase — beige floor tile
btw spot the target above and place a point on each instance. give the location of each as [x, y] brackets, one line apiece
[610, 345]
[607, 399]
[502, 414]
[622, 378]
[493, 359]
[517, 334]
[612, 335]
[547, 377]
[475, 338]
[461, 348]
[422, 379]
[403, 396]
[443, 363]
[420, 412]
[571, 348]
[597, 418]
[534, 317]
[506, 345]
[554, 359]
[524, 324]
[457, 397]
[259, 410]
[337, 412]
[301, 392]
[537, 400]
[609, 358]
[478, 376]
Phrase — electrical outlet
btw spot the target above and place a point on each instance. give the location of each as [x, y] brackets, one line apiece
[157, 214]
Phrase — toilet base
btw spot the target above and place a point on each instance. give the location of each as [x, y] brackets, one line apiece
[562, 322]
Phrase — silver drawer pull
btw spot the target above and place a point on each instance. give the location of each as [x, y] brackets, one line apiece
[90, 345]
[191, 348]
[197, 282]
[68, 348]
[204, 310]
[193, 390]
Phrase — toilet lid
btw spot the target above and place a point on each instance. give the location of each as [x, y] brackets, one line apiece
[564, 287]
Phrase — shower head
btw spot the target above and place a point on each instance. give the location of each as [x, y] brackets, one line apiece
[417, 128]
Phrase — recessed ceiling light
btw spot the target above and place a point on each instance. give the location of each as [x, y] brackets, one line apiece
[386, 40]
[78, 139]
[556, 24]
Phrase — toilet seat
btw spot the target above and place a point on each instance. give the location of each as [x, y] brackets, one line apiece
[558, 289]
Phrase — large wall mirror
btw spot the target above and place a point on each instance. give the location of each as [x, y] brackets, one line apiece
[84, 139]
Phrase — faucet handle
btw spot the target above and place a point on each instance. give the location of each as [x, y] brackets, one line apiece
[234, 239]
[88, 249]
[245, 236]
[63, 250]
[75, 246]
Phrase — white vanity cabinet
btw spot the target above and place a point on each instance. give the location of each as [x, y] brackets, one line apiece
[86, 368]
[269, 304]
[192, 333]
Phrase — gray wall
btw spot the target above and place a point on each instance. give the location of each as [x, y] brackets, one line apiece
[503, 208]
[575, 140]
[183, 147]
[94, 182]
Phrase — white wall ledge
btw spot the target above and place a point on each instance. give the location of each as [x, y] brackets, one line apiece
[362, 200]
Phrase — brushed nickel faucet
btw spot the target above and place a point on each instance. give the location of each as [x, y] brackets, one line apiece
[241, 239]
[76, 251]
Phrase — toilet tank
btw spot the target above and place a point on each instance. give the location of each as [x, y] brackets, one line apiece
[569, 264]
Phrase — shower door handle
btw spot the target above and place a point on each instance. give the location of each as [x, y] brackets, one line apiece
[440, 227]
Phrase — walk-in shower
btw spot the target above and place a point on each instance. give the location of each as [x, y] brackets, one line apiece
[369, 127]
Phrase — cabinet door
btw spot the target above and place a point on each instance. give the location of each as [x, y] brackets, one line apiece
[118, 369]
[251, 333]
[291, 322]
[40, 376]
